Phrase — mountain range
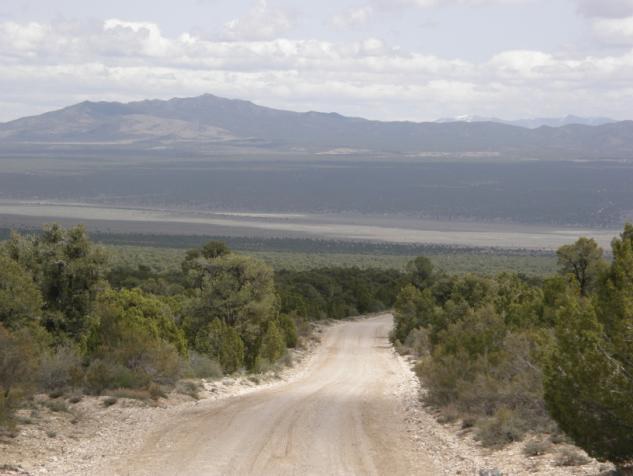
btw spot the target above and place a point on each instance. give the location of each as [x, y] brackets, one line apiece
[211, 125]
[535, 123]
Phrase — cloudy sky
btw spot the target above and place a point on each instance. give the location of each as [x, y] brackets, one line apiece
[382, 59]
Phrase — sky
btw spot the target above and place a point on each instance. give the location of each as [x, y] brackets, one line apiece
[381, 59]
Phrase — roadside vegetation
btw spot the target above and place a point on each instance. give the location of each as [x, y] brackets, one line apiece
[73, 322]
[511, 356]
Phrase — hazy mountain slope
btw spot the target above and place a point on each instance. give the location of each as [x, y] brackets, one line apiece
[206, 120]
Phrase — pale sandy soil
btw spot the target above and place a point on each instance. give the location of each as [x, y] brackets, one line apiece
[351, 406]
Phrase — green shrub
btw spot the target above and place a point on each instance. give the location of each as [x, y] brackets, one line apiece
[69, 271]
[60, 369]
[18, 363]
[536, 447]
[202, 366]
[262, 365]
[190, 388]
[236, 290]
[102, 375]
[20, 299]
[162, 363]
[502, 428]
[289, 329]
[222, 342]
[135, 341]
[571, 457]
[589, 383]
[273, 346]
[418, 343]
[7, 410]
[129, 320]
[57, 406]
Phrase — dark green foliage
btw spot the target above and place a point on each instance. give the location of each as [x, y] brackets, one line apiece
[165, 256]
[337, 292]
[159, 282]
[121, 314]
[519, 302]
[236, 290]
[138, 333]
[221, 342]
[68, 270]
[480, 341]
[273, 345]
[589, 380]
[214, 249]
[582, 260]
[414, 309]
[102, 375]
[20, 299]
[18, 362]
[288, 327]
[420, 272]
[64, 328]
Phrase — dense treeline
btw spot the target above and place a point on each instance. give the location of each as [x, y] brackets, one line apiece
[70, 321]
[510, 355]
[337, 292]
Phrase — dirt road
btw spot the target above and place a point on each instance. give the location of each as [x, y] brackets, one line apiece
[338, 417]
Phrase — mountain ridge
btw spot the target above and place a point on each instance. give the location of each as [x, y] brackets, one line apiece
[208, 123]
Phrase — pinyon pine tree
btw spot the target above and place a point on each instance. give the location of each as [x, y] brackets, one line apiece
[589, 380]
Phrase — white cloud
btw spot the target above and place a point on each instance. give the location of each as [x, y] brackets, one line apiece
[353, 17]
[125, 60]
[262, 22]
[23, 37]
[616, 31]
[147, 35]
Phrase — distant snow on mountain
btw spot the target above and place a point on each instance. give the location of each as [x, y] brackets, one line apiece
[533, 123]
